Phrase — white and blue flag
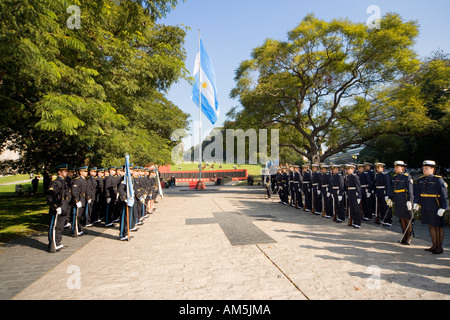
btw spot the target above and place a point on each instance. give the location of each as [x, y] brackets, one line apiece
[128, 182]
[205, 76]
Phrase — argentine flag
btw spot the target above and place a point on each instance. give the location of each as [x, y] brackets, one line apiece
[205, 76]
[128, 182]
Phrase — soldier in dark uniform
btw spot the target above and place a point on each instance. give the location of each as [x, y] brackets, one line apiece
[401, 197]
[354, 194]
[111, 196]
[291, 186]
[100, 200]
[297, 181]
[382, 186]
[69, 217]
[285, 186]
[337, 191]
[122, 204]
[371, 200]
[431, 197]
[316, 183]
[79, 199]
[326, 192]
[91, 195]
[307, 187]
[366, 185]
[279, 177]
[58, 197]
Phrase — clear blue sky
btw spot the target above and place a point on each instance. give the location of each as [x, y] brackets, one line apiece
[230, 29]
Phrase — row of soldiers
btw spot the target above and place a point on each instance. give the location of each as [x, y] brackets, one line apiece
[82, 197]
[357, 191]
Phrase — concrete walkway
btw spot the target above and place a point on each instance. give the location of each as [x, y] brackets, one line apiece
[226, 244]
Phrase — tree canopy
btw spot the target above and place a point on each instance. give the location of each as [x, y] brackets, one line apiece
[329, 86]
[89, 95]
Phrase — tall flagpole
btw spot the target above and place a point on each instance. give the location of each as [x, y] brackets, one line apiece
[200, 112]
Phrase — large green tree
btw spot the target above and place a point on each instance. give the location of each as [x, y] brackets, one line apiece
[89, 94]
[424, 134]
[321, 86]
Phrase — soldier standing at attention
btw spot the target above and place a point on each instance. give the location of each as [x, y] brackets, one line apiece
[58, 197]
[431, 198]
[279, 176]
[371, 200]
[91, 195]
[285, 185]
[366, 184]
[316, 182]
[326, 191]
[79, 199]
[307, 187]
[402, 197]
[337, 191]
[353, 189]
[382, 186]
[111, 196]
[297, 188]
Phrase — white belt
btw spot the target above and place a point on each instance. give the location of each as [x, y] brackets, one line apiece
[381, 187]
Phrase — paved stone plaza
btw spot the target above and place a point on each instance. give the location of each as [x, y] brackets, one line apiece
[229, 243]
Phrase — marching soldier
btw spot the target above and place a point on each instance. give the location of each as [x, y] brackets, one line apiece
[316, 182]
[70, 177]
[58, 197]
[79, 199]
[122, 205]
[306, 186]
[353, 191]
[431, 198]
[382, 186]
[337, 191]
[366, 193]
[401, 197]
[100, 200]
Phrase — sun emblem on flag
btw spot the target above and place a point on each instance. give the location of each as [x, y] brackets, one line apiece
[204, 85]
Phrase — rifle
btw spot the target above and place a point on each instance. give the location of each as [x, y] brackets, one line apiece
[407, 228]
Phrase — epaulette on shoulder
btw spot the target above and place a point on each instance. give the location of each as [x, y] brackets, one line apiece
[406, 174]
[54, 178]
[438, 176]
[421, 177]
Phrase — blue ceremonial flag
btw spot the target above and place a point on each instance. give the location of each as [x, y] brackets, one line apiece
[128, 182]
[204, 75]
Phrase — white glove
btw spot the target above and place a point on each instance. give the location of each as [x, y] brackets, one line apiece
[359, 201]
[89, 201]
[328, 194]
[339, 198]
[108, 200]
[58, 211]
[318, 192]
[409, 205]
[441, 212]
[416, 207]
[389, 203]
[142, 200]
[79, 204]
[368, 194]
[386, 198]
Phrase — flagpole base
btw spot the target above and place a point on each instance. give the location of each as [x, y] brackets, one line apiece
[200, 186]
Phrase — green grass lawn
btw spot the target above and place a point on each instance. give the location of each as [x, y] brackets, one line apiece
[21, 215]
